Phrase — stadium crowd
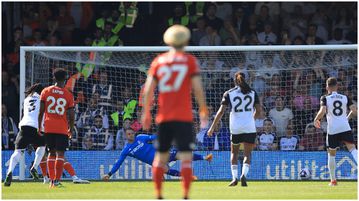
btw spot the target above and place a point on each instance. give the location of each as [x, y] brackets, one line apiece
[106, 106]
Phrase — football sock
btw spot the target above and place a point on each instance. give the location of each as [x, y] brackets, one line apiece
[68, 167]
[40, 151]
[331, 166]
[197, 157]
[354, 153]
[245, 169]
[157, 174]
[43, 168]
[234, 169]
[173, 172]
[59, 167]
[51, 166]
[14, 160]
[186, 173]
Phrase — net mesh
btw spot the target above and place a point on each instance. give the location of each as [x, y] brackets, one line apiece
[107, 86]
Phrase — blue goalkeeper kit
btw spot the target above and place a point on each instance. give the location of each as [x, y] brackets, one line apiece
[142, 150]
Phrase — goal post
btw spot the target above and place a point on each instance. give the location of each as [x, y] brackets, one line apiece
[296, 73]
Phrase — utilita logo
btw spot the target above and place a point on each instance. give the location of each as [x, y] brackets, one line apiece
[346, 169]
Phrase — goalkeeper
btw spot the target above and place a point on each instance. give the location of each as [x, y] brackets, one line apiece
[139, 147]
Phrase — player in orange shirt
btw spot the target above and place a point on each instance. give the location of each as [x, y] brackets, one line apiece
[176, 73]
[56, 104]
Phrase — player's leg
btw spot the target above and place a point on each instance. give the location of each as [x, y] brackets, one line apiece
[61, 145]
[69, 169]
[184, 138]
[332, 144]
[21, 143]
[50, 140]
[39, 153]
[43, 167]
[348, 140]
[196, 157]
[248, 147]
[235, 144]
[159, 165]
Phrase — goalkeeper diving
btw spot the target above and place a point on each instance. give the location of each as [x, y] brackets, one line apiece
[139, 147]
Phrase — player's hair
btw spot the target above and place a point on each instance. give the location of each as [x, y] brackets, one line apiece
[60, 74]
[34, 88]
[177, 36]
[332, 82]
[98, 116]
[240, 81]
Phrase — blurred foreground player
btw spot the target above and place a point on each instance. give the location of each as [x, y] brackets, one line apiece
[175, 73]
[56, 104]
[28, 133]
[336, 105]
[139, 147]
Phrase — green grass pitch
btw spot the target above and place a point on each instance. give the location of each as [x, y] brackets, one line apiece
[172, 190]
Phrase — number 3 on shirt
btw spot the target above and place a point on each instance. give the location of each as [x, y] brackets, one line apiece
[167, 73]
[56, 106]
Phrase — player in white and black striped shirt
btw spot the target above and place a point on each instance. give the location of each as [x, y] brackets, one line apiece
[336, 106]
[244, 107]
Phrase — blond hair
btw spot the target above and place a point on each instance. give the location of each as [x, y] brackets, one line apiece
[177, 36]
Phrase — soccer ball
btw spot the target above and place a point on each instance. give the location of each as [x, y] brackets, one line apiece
[305, 174]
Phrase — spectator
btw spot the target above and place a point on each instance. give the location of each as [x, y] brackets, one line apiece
[109, 37]
[268, 70]
[322, 22]
[129, 103]
[10, 95]
[117, 115]
[211, 38]
[304, 116]
[228, 31]
[105, 90]
[263, 18]
[8, 130]
[100, 22]
[338, 37]
[101, 137]
[210, 16]
[199, 31]
[343, 20]
[281, 116]
[267, 37]
[224, 10]
[300, 94]
[290, 141]
[313, 139]
[219, 140]
[259, 121]
[179, 16]
[312, 38]
[66, 25]
[298, 40]
[273, 7]
[37, 39]
[266, 139]
[121, 134]
[86, 118]
[87, 143]
[54, 40]
[241, 66]
[116, 22]
[240, 21]
[296, 23]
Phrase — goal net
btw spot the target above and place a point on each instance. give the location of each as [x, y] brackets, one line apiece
[107, 84]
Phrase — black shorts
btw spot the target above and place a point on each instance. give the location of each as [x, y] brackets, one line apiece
[245, 137]
[334, 141]
[58, 142]
[179, 133]
[28, 135]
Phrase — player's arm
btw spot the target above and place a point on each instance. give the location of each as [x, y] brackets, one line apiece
[322, 111]
[146, 138]
[201, 99]
[117, 165]
[217, 118]
[353, 109]
[41, 115]
[257, 106]
[148, 92]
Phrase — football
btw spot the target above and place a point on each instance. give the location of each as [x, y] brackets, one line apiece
[305, 174]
